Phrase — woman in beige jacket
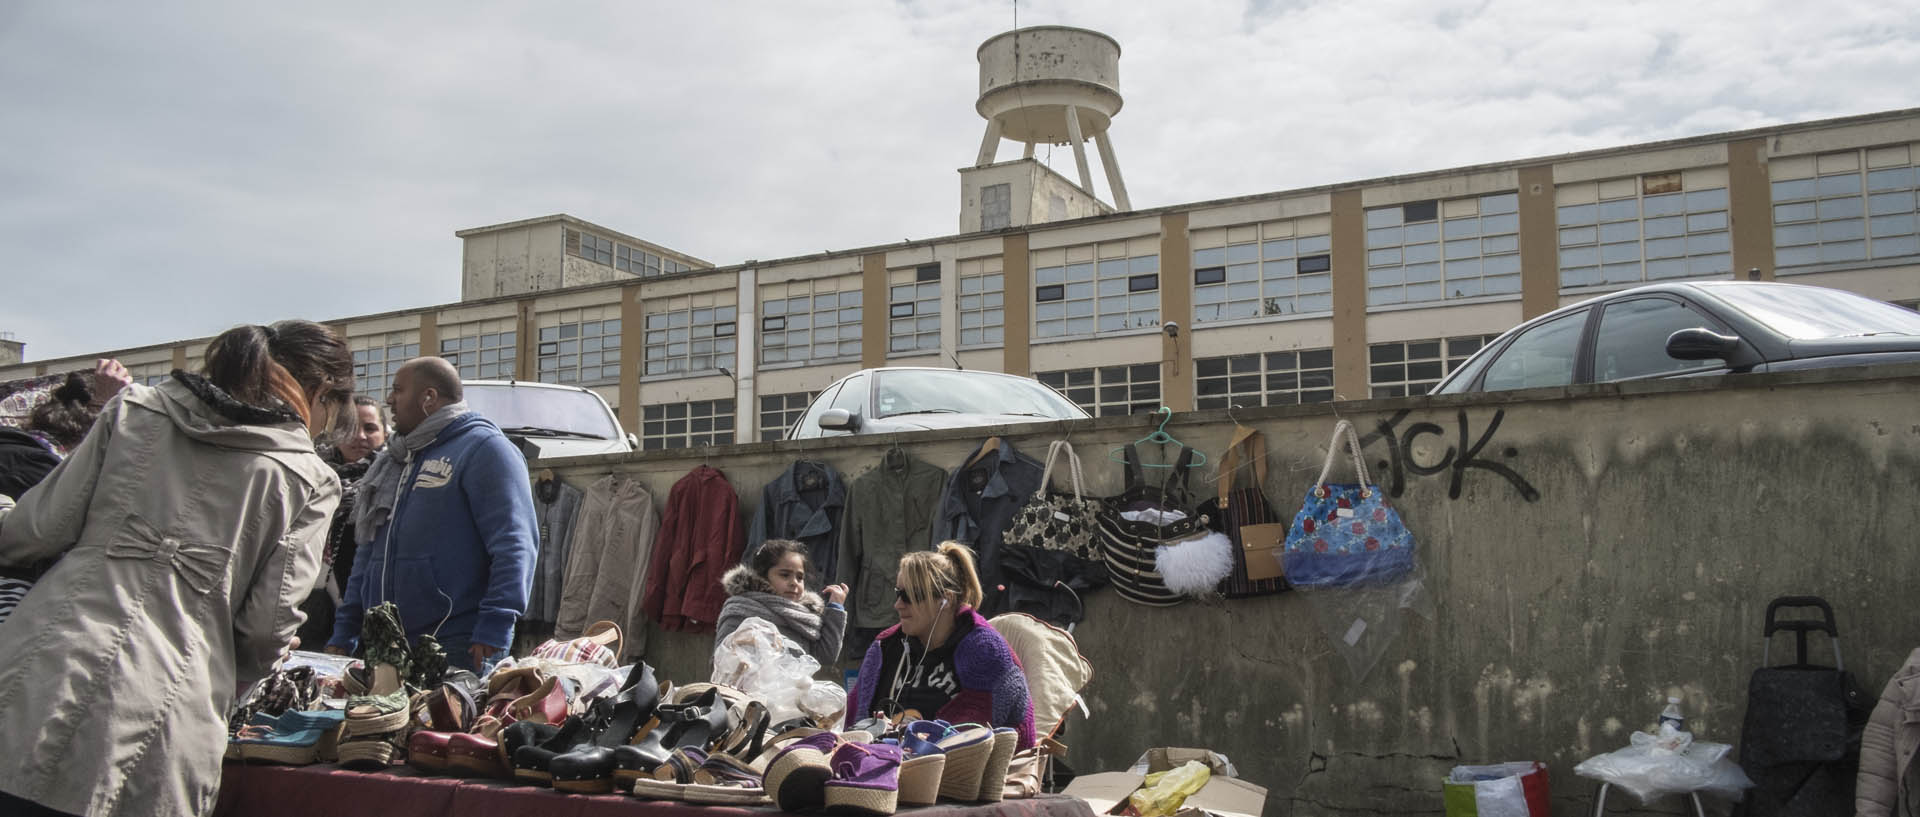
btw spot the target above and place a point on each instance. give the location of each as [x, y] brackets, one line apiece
[1891, 739]
[187, 528]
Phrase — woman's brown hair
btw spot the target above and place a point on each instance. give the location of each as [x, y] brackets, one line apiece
[299, 364]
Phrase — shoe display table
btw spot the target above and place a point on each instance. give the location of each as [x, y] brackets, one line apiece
[297, 791]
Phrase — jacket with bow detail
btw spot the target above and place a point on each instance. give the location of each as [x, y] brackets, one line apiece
[186, 541]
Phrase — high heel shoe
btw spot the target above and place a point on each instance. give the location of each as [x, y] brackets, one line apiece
[693, 723]
[587, 767]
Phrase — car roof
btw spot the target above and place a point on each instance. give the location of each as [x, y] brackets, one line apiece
[524, 384]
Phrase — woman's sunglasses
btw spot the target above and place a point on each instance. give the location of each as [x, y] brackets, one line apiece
[904, 597]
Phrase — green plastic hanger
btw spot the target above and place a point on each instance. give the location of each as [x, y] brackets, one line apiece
[1158, 437]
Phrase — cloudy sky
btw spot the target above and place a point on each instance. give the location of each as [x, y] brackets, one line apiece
[168, 170]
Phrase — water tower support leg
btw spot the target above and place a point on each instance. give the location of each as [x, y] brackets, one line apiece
[990, 144]
[1029, 150]
[1113, 172]
[1079, 147]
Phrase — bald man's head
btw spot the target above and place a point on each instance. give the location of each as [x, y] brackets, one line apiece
[421, 387]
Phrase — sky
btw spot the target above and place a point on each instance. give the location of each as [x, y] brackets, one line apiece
[170, 170]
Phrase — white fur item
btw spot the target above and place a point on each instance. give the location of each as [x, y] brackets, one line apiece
[1195, 566]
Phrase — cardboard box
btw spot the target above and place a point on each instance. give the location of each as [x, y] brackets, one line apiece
[1223, 796]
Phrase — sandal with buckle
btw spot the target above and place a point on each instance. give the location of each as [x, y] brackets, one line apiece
[671, 778]
[693, 723]
[727, 780]
[582, 761]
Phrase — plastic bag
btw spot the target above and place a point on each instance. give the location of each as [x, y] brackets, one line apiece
[1669, 762]
[1162, 793]
[1362, 622]
[757, 660]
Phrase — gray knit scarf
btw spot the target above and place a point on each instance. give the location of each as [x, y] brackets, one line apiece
[380, 488]
[781, 611]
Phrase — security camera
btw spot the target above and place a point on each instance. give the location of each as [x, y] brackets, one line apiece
[1172, 328]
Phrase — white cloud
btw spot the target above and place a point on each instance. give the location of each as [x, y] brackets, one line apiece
[171, 172]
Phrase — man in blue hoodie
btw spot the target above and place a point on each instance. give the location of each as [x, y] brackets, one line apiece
[445, 522]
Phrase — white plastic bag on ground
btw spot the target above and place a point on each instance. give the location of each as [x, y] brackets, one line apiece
[1671, 762]
[758, 660]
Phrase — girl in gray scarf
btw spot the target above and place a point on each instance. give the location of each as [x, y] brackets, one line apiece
[773, 587]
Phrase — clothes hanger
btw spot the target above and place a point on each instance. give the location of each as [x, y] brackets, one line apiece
[1159, 437]
[991, 445]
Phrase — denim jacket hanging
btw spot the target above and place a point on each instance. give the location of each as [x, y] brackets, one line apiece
[805, 503]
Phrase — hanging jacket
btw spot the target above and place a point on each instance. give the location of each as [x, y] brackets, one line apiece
[889, 509]
[805, 503]
[458, 551]
[980, 499]
[607, 563]
[556, 508]
[187, 534]
[700, 538]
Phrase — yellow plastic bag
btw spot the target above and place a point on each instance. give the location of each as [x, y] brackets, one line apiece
[1162, 793]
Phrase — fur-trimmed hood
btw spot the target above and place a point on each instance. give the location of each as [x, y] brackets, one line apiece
[740, 580]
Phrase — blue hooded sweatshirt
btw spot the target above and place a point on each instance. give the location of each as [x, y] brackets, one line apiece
[457, 555]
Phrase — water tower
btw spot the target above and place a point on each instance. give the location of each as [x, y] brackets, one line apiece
[1057, 85]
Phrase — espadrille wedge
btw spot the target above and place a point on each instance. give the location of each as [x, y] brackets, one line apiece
[993, 778]
[866, 780]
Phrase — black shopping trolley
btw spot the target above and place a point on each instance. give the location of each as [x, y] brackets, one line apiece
[1801, 739]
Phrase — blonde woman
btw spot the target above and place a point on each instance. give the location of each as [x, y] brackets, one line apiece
[942, 660]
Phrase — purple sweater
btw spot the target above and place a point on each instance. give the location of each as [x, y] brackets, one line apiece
[993, 690]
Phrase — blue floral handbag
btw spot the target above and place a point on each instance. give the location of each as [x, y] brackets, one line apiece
[1346, 535]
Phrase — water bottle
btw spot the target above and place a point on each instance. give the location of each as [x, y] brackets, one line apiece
[1671, 716]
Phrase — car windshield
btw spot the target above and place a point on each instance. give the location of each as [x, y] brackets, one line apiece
[568, 412]
[962, 392]
[1812, 313]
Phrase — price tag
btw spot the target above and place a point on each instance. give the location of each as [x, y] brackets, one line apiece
[1344, 513]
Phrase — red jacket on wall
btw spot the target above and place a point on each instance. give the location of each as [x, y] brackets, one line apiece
[700, 538]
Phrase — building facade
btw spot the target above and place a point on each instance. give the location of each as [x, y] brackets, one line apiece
[1368, 288]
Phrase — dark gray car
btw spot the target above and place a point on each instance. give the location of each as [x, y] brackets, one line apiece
[880, 401]
[1689, 330]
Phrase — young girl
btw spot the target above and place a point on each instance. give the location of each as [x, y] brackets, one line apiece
[774, 587]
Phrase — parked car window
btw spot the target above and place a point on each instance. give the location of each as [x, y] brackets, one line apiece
[565, 410]
[1632, 341]
[916, 391]
[1542, 356]
[809, 425]
[1813, 313]
[853, 396]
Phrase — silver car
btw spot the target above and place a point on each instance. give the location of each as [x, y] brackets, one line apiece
[548, 420]
[882, 401]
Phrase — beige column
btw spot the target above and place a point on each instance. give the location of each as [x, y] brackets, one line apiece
[633, 329]
[1017, 272]
[1350, 379]
[1539, 243]
[429, 334]
[1176, 304]
[1750, 208]
[873, 314]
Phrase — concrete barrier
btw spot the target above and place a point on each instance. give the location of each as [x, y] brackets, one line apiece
[1589, 551]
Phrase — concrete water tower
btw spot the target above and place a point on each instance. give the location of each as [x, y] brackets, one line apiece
[1056, 85]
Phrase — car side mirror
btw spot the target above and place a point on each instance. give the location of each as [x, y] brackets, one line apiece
[1701, 344]
[839, 420]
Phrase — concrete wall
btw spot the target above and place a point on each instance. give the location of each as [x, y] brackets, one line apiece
[1589, 552]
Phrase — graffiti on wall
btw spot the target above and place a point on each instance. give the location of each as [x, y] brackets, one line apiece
[1469, 453]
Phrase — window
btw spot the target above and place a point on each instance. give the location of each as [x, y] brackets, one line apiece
[1269, 379]
[797, 327]
[1095, 289]
[982, 303]
[1913, 305]
[1647, 228]
[687, 425]
[1248, 272]
[691, 340]
[1109, 391]
[913, 310]
[486, 350]
[1433, 251]
[1413, 367]
[587, 351]
[1852, 206]
[377, 357]
[852, 399]
[778, 412]
[591, 247]
[1542, 356]
[996, 207]
[1632, 341]
[636, 261]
